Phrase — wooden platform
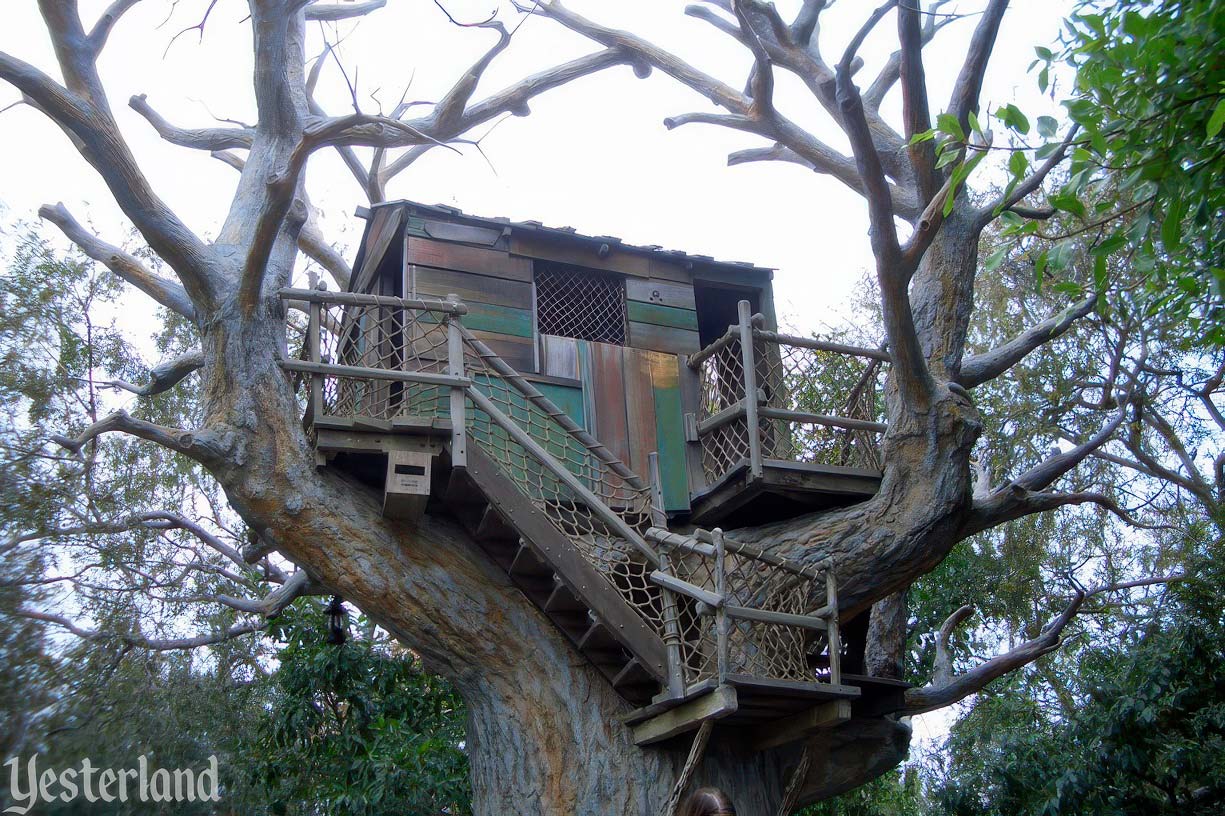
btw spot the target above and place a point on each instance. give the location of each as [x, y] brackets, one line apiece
[769, 712]
[785, 489]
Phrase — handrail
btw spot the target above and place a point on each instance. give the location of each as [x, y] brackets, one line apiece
[732, 334]
[358, 299]
[821, 345]
[532, 394]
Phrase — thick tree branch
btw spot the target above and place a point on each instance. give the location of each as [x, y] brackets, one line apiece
[909, 367]
[916, 113]
[101, 31]
[330, 13]
[273, 603]
[942, 671]
[164, 375]
[969, 83]
[200, 446]
[980, 368]
[219, 138]
[166, 292]
[944, 693]
[83, 112]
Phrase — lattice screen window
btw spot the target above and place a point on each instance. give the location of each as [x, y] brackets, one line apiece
[584, 305]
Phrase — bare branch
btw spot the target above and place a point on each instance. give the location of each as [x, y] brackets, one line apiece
[195, 138]
[199, 446]
[331, 13]
[910, 368]
[141, 642]
[941, 694]
[980, 368]
[916, 113]
[273, 603]
[969, 83]
[1012, 200]
[164, 375]
[166, 292]
[102, 28]
[942, 672]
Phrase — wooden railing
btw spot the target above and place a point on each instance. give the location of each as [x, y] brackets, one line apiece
[769, 396]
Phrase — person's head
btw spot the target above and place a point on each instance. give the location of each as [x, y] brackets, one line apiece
[707, 802]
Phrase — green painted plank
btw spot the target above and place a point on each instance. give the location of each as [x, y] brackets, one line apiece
[670, 431]
[498, 319]
[567, 398]
[659, 315]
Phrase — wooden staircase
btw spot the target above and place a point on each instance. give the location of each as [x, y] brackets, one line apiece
[551, 572]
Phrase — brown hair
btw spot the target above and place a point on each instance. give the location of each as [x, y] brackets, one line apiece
[707, 802]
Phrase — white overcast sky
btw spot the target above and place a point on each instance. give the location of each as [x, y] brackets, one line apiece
[593, 155]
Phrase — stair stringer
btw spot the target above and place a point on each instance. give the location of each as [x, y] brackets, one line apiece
[580, 578]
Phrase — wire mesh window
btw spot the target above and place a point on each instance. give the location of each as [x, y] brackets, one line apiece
[584, 305]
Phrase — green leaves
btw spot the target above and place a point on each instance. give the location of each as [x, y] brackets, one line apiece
[1011, 116]
[1217, 120]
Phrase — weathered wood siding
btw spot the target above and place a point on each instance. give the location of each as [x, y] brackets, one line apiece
[631, 403]
[495, 285]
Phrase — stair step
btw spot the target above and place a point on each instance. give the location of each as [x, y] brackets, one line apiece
[493, 528]
[461, 490]
[561, 599]
[599, 644]
[529, 565]
[633, 675]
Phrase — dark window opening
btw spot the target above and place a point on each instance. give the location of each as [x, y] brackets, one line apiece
[717, 309]
[576, 303]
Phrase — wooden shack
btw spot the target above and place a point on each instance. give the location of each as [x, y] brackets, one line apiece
[606, 330]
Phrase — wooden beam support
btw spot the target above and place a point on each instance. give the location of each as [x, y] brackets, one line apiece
[719, 703]
[798, 726]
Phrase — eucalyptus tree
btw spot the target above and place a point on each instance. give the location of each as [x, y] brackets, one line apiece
[542, 733]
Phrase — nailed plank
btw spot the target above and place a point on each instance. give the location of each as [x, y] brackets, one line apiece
[687, 716]
[464, 233]
[665, 292]
[677, 271]
[518, 352]
[471, 288]
[640, 414]
[663, 338]
[659, 315]
[669, 430]
[608, 386]
[801, 725]
[462, 258]
[382, 230]
[488, 317]
[559, 356]
[584, 254]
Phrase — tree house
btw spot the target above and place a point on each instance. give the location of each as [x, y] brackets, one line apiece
[588, 409]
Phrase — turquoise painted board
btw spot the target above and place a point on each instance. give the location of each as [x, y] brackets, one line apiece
[670, 430]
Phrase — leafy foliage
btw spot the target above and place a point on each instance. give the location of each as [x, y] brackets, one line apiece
[357, 729]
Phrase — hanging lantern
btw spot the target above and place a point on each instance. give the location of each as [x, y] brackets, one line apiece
[338, 621]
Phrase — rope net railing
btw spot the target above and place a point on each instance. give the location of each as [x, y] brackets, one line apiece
[774, 620]
[388, 339]
[815, 402]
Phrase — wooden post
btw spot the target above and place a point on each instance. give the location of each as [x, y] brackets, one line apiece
[691, 396]
[314, 338]
[455, 367]
[721, 622]
[672, 625]
[831, 631]
[745, 312]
